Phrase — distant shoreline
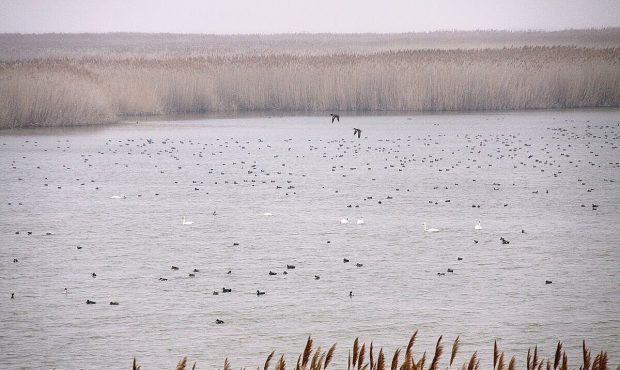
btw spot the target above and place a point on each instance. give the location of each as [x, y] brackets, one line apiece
[159, 46]
[249, 115]
[82, 79]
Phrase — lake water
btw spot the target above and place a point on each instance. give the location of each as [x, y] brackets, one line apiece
[539, 172]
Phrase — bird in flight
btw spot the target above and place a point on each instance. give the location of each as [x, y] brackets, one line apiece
[335, 117]
[357, 131]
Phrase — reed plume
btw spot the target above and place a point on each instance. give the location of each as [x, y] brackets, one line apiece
[586, 356]
[438, 352]
[330, 355]
[512, 363]
[315, 359]
[474, 364]
[307, 351]
[372, 359]
[496, 354]
[409, 351]
[455, 349]
[227, 364]
[281, 364]
[395, 360]
[600, 361]
[420, 364]
[500, 362]
[360, 360]
[558, 355]
[266, 367]
[135, 365]
[182, 363]
[321, 362]
[564, 362]
[380, 361]
[355, 350]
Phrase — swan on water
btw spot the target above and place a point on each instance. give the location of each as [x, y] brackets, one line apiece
[431, 230]
[360, 221]
[122, 196]
[185, 222]
[478, 226]
[344, 220]
[267, 214]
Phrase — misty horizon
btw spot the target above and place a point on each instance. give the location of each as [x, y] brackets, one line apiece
[438, 31]
[241, 17]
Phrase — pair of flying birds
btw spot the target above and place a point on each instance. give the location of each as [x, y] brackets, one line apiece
[356, 131]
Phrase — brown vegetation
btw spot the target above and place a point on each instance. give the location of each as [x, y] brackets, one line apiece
[87, 90]
[357, 359]
[160, 46]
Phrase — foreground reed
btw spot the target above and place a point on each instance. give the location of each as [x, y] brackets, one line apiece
[359, 358]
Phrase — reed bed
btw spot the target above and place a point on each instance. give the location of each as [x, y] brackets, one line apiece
[92, 90]
[362, 357]
[172, 46]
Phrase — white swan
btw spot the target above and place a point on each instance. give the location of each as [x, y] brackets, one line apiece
[431, 230]
[185, 222]
[122, 196]
[360, 221]
[267, 214]
[344, 220]
[478, 226]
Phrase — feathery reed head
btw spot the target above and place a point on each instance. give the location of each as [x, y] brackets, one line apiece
[395, 360]
[438, 352]
[558, 356]
[307, 352]
[380, 361]
[455, 349]
[330, 355]
[266, 367]
[181, 365]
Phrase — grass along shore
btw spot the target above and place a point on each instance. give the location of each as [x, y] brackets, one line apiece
[82, 89]
[362, 357]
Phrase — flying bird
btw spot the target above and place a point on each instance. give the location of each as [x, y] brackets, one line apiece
[335, 117]
[357, 131]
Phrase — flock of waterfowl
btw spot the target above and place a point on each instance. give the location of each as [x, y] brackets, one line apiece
[271, 165]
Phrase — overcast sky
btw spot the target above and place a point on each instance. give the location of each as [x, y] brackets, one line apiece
[285, 16]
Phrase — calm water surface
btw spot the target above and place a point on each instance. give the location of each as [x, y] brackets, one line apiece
[526, 171]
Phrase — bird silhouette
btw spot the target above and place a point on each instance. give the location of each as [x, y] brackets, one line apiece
[357, 131]
[335, 117]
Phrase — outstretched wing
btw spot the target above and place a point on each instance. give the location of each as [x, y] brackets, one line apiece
[333, 118]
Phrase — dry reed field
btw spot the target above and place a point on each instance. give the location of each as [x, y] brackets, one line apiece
[92, 79]
[362, 357]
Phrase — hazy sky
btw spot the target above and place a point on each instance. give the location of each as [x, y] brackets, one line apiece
[283, 16]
